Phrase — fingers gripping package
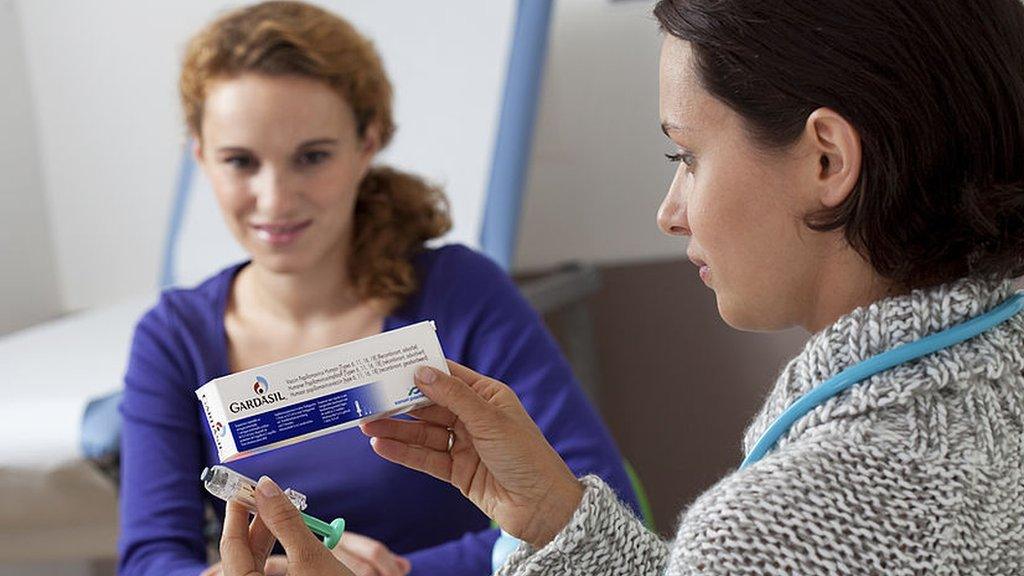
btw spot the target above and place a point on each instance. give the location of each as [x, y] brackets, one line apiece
[319, 393]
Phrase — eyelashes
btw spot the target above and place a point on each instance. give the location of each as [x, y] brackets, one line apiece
[245, 162]
[313, 157]
[685, 157]
[240, 162]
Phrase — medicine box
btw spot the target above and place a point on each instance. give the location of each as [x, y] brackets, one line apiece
[333, 389]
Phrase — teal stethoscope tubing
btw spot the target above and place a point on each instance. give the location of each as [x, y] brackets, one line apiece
[868, 368]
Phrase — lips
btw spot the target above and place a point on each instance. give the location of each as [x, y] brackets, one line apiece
[705, 273]
[704, 269]
[280, 233]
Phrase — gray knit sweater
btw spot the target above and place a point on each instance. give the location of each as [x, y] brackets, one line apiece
[919, 470]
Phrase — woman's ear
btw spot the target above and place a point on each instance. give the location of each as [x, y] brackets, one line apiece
[371, 140]
[370, 145]
[837, 146]
[197, 148]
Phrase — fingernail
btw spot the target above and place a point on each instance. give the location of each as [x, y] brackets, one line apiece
[267, 487]
[426, 375]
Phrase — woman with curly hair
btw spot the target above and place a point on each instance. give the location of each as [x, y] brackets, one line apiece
[288, 106]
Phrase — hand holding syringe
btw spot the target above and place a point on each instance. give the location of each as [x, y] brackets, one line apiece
[227, 484]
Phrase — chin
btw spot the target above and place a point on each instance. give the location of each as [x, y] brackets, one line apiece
[281, 263]
[747, 315]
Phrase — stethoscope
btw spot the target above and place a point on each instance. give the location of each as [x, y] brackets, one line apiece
[863, 370]
[846, 379]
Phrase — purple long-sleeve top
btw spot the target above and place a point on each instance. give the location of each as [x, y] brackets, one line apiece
[482, 321]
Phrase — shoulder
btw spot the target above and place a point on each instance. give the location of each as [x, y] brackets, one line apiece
[481, 316]
[179, 339]
[458, 262]
[457, 276]
[189, 311]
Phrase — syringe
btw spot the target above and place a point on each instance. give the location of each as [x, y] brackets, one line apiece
[226, 484]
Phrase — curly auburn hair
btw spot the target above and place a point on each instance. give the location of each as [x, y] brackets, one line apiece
[395, 212]
[935, 90]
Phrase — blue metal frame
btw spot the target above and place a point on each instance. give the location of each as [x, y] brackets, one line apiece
[181, 193]
[500, 228]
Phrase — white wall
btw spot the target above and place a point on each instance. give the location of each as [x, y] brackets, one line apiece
[104, 73]
[28, 290]
[110, 136]
[598, 172]
[103, 82]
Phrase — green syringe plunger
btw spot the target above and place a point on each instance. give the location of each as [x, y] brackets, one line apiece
[226, 484]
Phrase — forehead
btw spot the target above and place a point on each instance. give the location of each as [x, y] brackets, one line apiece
[683, 101]
[252, 104]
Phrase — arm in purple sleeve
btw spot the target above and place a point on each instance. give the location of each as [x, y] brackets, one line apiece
[161, 456]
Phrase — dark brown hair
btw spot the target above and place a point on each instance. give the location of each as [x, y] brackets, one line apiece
[935, 89]
[395, 212]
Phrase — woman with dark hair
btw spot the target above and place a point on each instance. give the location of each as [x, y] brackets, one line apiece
[288, 106]
[854, 168]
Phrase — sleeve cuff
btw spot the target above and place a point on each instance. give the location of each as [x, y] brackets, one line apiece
[602, 536]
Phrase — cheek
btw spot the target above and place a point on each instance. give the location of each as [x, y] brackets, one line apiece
[739, 220]
[335, 188]
[232, 194]
[720, 213]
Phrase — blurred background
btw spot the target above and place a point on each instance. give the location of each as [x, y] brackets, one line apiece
[540, 118]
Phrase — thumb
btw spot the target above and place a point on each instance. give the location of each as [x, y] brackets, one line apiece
[282, 519]
[453, 394]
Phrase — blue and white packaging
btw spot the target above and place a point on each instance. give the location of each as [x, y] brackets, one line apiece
[333, 389]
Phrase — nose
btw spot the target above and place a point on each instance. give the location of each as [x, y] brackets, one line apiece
[273, 192]
[672, 217]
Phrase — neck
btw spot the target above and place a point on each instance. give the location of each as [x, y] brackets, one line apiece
[842, 289]
[322, 290]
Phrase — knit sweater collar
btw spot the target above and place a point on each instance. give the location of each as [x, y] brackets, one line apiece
[881, 326]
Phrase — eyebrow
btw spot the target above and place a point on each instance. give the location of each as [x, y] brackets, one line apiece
[318, 142]
[306, 144]
[667, 126]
